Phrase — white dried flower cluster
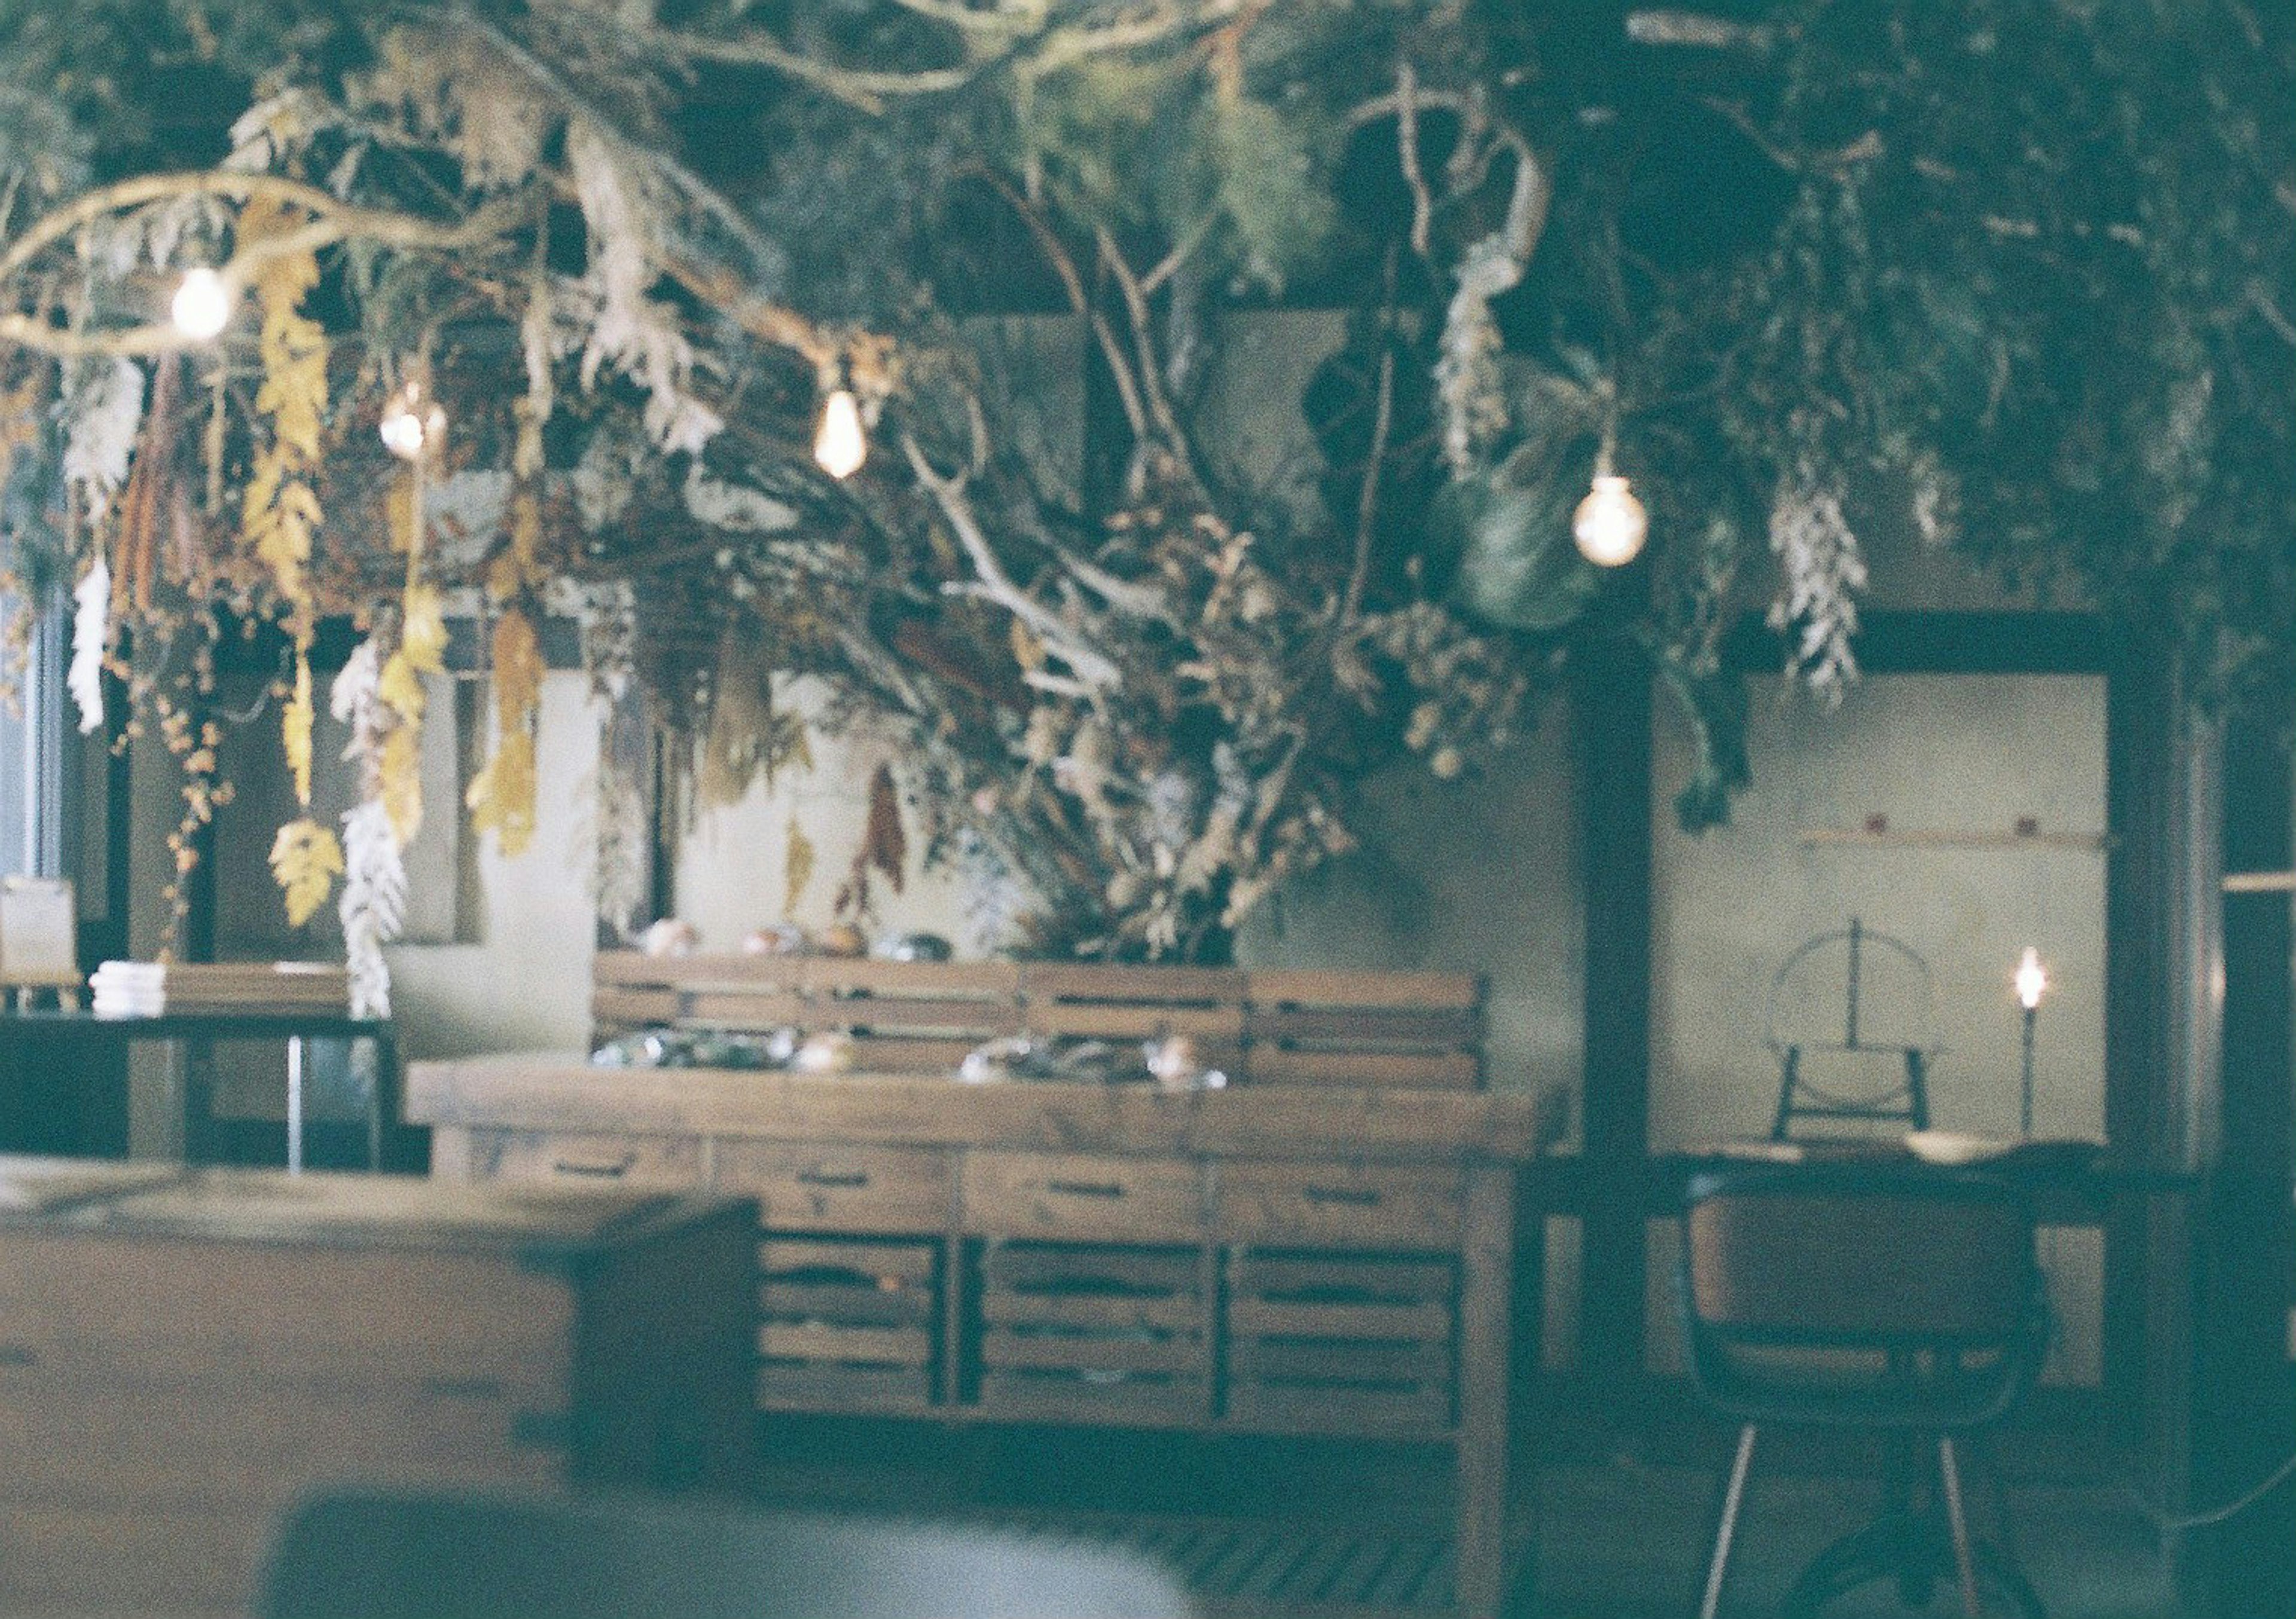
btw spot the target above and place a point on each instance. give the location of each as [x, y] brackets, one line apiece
[636, 334]
[1468, 385]
[1823, 574]
[373, 904]
[91, 627]
[103, 411]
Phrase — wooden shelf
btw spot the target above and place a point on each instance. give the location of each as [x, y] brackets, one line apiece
[1941, 838]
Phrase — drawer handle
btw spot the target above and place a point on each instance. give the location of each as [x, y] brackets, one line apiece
[18, 1354]
[1085, 1188]
[614, 1171]
[845, 1179]
[1348, 1196]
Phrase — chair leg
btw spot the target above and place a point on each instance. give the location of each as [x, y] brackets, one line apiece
[1957, 1519]
[1733, 1499]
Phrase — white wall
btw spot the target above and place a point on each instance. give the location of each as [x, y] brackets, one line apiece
[1932, 754]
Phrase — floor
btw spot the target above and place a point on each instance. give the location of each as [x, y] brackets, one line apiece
[1620, 1538]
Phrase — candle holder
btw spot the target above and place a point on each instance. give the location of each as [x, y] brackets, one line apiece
[2032, 982]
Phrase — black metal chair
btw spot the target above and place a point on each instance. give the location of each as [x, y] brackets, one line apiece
[394, 1555]
[1873, 1295]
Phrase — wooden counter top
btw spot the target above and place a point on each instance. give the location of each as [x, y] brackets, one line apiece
[563, 1093]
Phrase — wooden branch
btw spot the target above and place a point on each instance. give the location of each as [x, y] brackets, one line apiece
[345, 218]
[996, 586]
[865, 90]
[1135, 305]
[1698, 29]
[705, 195]
[1407, 141]
[1136, 601]
[996, 20]
[1127, 389]
[333, 221]
[2260, 296]
[725, 294]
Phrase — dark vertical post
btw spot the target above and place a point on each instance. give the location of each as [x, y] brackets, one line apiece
[2244, 1418]
[1613, 722]
[2162, 1054]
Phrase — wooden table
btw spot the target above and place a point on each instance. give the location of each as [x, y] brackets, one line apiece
[182, 1352]
[1330, 1259]
[182, 1030]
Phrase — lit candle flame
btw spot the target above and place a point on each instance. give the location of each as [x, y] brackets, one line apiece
[2032, 979]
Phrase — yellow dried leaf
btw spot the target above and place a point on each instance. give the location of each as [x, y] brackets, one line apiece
[306, 858]
[1028, 651]
[502, 795]
[400, 514]
[295, 731]
[797, 866]
[518, 669]
[401, 687]
[422, 636]
[280, 510]
[401, 772]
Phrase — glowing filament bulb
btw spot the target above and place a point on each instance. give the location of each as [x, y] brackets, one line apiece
[412, 424]
[1609, 524]
[840, 446]
[202, 303]
[2032, 979]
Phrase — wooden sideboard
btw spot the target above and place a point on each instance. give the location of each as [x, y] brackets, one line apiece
[1309, 1251]
[184, 1352]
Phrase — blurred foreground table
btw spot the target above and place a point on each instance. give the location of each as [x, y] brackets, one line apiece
[185, 1352]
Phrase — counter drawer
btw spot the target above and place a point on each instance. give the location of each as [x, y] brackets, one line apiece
[1374, 1205]
[1082, 1198]
[846, 1325]
[803, 1187]
[588, 1160]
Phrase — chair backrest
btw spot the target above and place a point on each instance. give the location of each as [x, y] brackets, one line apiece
[1417, 1029]
[1927, 1274]
[383, 1555]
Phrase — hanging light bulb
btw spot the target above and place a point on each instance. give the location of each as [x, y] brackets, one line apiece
[412, 424]
[840, 446]
[1609, 524]
[2032, 980]
[202, 304]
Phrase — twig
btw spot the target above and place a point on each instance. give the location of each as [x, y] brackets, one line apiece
[1127, 389]
[1697, 30]
[1382, 421]
[2260, 296]
[397, 230]
[1407, 141]
[1182, 251]
[1135, 305]
[863, 89]
[996, 586]
[711, 201]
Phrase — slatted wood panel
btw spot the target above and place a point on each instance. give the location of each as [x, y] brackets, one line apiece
[1326, 1342]
[1267, 1028]
[1080, 1332]
[1366, 1028]
[906, 1016]
[846, 1325]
